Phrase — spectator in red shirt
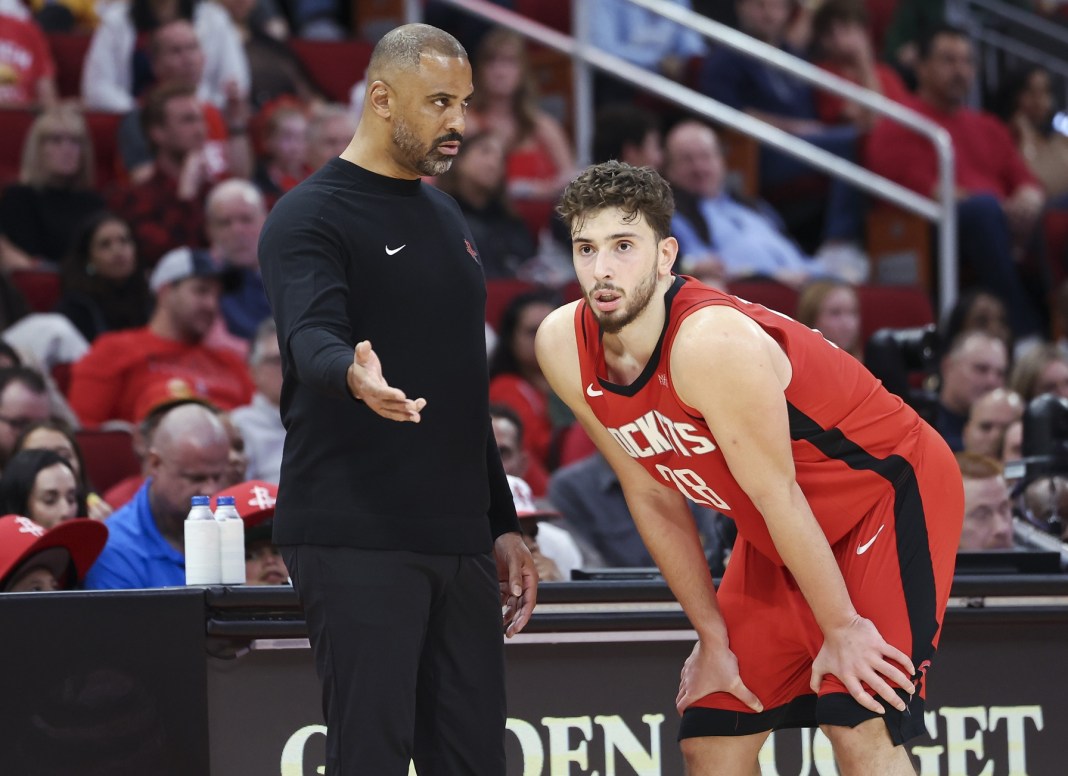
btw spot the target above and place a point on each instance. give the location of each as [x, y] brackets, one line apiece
[27, 70]
[998, 199]
[167, 210]
[108, 381]
[840, 32]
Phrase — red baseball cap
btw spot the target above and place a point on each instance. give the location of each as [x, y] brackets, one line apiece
[165, 394]
[21, 538]
[254, 500]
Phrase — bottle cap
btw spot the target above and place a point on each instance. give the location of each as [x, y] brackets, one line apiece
[227, 501]
[201, 501]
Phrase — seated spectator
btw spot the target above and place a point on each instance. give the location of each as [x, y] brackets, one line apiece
[330, 129]
[628, 134]
[476, 181]
[840, 33]
[987, 506]
[116, 71]
[255, 501]
[58, 437]
[508, 432]
[912, 22]
[274, 70]
[774, 96]
[175, 58]
[998, 199]
[976, 309]
[166, 210]
[284, 163]
[104, 287]
[540, 157]
[237, 463]
[974, 365]
[833, 308]
[590, 498]
[27, 70]
[554, 551]
[1025, 104]
[989, 420]
[515, 376]
[720, 238]
[1012, 444]
[1041, 369]
[24, 401]
[41, 485]
[235, 212]
[35, 560]
[121, 366]
[152, 405]
[39, 214]
[260, 422]
[643, 38]
[146, 537]
[1045, 503]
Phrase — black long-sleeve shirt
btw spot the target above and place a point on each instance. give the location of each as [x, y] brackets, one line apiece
[350, 255]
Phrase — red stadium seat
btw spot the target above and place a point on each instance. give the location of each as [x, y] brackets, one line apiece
[893, 307]
[499, 293]
[40, 287]
[575, 444]
[61, 376]
[14, 124]
[334, 65]
[68, 51]
[109, 456]
[774, 296]
[104, 130]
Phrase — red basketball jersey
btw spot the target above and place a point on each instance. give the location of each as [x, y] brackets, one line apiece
[852, 440]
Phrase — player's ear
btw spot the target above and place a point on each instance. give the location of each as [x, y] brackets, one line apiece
[667, 252]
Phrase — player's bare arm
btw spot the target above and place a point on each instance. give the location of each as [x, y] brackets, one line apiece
[725, 366]
[662, 518]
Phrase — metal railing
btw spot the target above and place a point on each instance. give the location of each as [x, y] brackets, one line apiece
[976, 15]
[584, 55]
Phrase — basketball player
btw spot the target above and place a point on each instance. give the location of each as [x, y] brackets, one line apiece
[848, 505]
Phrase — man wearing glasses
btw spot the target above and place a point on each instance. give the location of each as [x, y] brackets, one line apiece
[23, 402]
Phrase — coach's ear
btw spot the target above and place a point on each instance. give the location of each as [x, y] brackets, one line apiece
[379, 94]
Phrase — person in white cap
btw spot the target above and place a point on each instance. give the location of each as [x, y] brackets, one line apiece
[555, 552]
[122, 365]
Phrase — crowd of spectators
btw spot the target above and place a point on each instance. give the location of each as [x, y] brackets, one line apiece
[159, 324]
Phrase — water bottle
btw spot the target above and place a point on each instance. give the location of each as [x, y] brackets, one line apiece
[201, 544]
[231, 541]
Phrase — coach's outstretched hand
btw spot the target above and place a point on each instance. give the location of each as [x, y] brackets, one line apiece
[712, 669]
[518, 581]
[369, 386]
[855, 653]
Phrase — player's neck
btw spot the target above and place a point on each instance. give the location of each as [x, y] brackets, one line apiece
[627, 352]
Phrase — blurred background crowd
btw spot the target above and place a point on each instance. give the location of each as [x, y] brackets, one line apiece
[143, 142]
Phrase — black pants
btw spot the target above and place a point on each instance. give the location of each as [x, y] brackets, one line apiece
[408, 647]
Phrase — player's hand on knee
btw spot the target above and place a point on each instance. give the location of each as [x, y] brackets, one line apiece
[367, 384]
[857, 654]
[712, 669]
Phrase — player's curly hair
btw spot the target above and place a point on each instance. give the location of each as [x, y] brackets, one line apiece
[639, 192]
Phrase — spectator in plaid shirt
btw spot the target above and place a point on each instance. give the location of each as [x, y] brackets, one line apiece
[167, 210]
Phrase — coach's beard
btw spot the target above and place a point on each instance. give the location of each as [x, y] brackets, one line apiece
[426, 161]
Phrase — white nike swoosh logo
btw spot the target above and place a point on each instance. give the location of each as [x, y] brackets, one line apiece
[391, 251]
[867, 545]
[591, 392]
